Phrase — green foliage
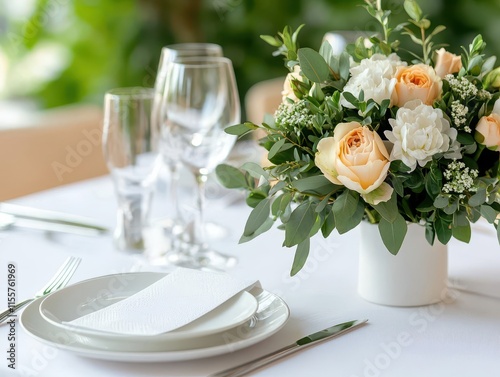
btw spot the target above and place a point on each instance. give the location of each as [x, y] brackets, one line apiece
[446, 192]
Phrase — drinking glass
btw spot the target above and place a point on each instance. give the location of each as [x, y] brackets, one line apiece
[173, 226]
[132, 158]
[200, 100]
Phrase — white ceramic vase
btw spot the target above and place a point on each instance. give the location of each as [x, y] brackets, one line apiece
[416, 276]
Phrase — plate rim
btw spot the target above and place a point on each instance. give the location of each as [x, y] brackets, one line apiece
[169, 336]
[157, 356]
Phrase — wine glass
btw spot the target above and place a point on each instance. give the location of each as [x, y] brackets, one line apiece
[173, 226]
[132, 158]
[200, 100]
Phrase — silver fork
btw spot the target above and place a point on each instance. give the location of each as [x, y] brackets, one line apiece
[59, 280]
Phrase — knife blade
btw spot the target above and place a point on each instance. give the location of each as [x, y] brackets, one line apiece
[24, 212]
[302, 343]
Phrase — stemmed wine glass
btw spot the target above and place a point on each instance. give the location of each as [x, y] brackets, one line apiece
[131, 156]
[173, 226]
[200, 100]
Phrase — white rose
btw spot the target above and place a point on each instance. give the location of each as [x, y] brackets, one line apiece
[418, 133]
[375, 77]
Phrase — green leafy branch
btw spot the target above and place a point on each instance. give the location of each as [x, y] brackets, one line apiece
[287, 45]
[423, 24]
[374, 8]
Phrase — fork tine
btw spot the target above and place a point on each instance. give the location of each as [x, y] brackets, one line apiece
[69, 266]
[67, 277]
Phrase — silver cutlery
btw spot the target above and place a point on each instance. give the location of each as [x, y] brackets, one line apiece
[303, 343]
[17, 215]
[58, 281]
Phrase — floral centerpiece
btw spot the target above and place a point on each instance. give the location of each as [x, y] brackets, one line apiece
[367, 135]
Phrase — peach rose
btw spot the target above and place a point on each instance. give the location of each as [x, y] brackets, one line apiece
[488, 131]
[417, 82]
[447, 63]
[356, 158]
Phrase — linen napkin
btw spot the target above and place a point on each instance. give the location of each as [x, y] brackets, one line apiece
[170, 303]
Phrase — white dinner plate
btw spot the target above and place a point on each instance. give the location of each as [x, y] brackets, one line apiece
[271, 316]
[91, 295]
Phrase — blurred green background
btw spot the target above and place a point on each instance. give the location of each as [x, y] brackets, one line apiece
[58, 52]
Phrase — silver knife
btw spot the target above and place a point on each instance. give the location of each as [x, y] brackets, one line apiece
[23, 212]
[305, 342]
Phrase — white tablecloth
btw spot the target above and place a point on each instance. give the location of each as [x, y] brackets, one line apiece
[460, 337]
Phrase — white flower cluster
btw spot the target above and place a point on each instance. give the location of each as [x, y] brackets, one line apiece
[461, 86]
[483, 95]
[460, 179]
[459, 115]
[291, 115]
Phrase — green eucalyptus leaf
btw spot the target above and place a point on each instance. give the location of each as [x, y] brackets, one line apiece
[230, 177]
[276, 148]
[301, 254]
[328, 224]
[488, 213]
[344, 65]
[478, 198]
[255, 170]
[413, 10]
[277, 187]
[430, 233]
[273, 41]
[462, 233]
[441, 201]
[316, 185]
[299, 225]
[393, 233]
[348, 211]
[266, 225]
[240, 129]
[281, 203]
[313, 65]
[452, 208]
[257, 217]
[443, 229]
[255, 196]
[389, 209]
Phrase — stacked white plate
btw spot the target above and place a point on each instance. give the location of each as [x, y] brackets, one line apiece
[247, 318]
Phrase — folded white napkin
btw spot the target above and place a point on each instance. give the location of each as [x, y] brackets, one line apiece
[172, 302]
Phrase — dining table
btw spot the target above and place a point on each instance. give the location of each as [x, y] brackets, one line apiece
[458, 336]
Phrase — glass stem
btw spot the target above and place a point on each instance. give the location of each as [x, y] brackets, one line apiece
[199, 224]
[172, 195]
[133, 211]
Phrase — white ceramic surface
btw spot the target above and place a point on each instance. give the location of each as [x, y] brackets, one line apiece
[270, 317]
[417, 275]
[91, 295]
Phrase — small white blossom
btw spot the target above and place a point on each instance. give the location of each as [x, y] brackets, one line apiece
[460, 179]
[459, 115]
[461, 86]
[483, 95]
[293, 114]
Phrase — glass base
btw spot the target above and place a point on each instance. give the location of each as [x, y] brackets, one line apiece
[208, 260]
